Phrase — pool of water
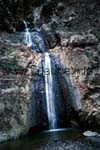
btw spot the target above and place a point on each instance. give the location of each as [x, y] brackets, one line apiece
[68, 139]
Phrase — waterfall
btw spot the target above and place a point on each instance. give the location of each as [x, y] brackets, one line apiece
[35, 40]
[27, 37]
[49, 92]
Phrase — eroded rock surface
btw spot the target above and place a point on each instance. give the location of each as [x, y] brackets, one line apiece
[79, 55]
[73, 35]
[18, 65]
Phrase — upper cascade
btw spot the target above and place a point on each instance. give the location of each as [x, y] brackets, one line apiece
[27, 37]
[34, 39]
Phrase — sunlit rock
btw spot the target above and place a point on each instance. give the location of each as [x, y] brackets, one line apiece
[83, 40]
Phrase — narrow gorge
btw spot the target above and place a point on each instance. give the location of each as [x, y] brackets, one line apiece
[49, 75]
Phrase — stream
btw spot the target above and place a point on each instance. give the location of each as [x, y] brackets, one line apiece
[69, 139]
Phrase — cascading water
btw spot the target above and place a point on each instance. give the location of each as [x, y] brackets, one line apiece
[35, 40]
[27, 39]
[49, 92]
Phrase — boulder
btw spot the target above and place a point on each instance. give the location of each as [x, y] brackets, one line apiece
[90, 133]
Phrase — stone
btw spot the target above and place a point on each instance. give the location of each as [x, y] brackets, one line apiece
[60, 6]
[24, 59]
[49, 36]
[78, 62]
[76, 69]
[80, 40]
[9, 90]
[16, 105]
[90, 133]
[95, 97]
[64, 42]
[2, 108]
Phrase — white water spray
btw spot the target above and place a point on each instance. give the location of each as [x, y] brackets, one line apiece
[27, 37]
[49, 92]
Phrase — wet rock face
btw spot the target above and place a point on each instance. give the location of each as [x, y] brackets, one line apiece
[80, 82]
[18, 66]
[71, 33]
[78, 57]
[80, 66]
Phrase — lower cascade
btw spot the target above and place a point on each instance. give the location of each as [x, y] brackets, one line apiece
[49, 92]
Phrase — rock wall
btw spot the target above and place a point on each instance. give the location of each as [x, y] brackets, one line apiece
[84, 77]
[12, 13]
[17, 70]
[75, 33]
[78, 55]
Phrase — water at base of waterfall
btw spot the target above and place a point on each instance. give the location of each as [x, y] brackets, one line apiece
[63, 140]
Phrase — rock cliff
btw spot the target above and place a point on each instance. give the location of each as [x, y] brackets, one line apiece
[71, 31]
[18, 65]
